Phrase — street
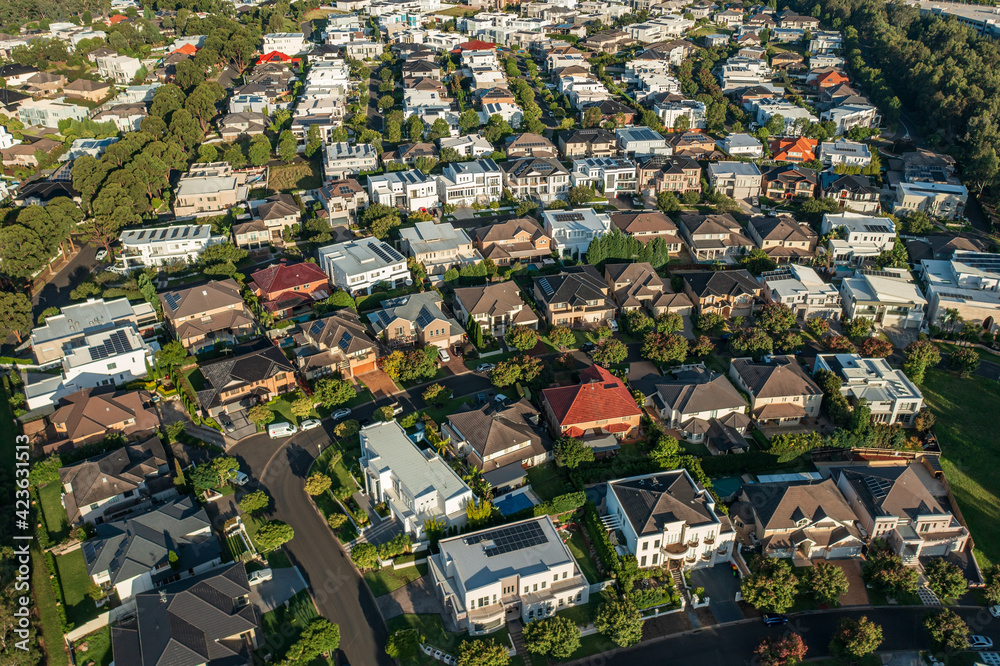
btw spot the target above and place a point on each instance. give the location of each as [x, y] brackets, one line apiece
[56, 291]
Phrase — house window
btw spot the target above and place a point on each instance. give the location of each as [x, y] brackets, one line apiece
[642, 562]
[535, 588]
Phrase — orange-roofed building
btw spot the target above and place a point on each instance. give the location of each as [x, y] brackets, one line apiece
[793, 149]
[600, 404]
[277, 56]
[116, 19]
[187, 49]
[474, 45]
[284, 287]
[828, 79]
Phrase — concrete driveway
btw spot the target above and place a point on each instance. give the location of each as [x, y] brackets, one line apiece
[284, 584]
[379, 383]
[721, 587]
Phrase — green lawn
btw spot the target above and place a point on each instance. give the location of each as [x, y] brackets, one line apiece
[582, 555]
[282, 408]
[388, 579]
[583, 614]
[965, 410]
[581, 338]
[591, 645]
[95, 647]
[283, 626]
[547, 481]
[457, 10]
[431, 627]
[291, 177]
[53, 511]
[71, 569]
[195, 378]
[948, 348]
[441, 414]
[45, 604]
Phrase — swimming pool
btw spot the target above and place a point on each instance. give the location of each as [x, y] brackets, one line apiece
[511, 504]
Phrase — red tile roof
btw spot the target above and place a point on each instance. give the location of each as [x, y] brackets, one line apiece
[600, 395]
[801, 145]
[278, 278]
[276, 56]
[474, 45]
[117, 18]
[189, 49]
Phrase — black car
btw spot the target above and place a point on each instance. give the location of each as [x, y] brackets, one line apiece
[774, 619]
[588, 347]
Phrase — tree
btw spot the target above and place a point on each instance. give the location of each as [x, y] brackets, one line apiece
[404, 644]
[992, 590]
[924, 420]
[415, 128]
[384, 414]
[556, 637]
[301, 407]
[945, 579]
[948, 631]
[856, 639]
[875, 348]
[318, 483]
[828, 582]
[365, 556]
[478, 512]
[710, 321]
[884, 570]
[920, 355]
[254, 502]
[610, 351]
[771, 585]
[468, 121]
[666, 451]
[260, 415]
[667, 202]
[346, 429]
[619, 620]
[580, 194]
[592, 117]
[669, 322]
[273, 534]
[571, 452]
[776, 318]
[331, 392]
[757, 261]
[682, 123]
[482, 653]
[425, 164]
[781, 650]
[15, 315]
[789, 446]
[521, 338]
[664, 348]
[965, 360]
[636, 322]
[857, 328]
[287, 147]
[561, 336]
[259, 151]
[314, 140]
[436, 392]
[319, 637]
[753, 342]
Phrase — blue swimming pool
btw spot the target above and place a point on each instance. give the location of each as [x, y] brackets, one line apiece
[511, 504]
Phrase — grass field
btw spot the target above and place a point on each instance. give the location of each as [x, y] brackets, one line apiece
[587, 566]
[72, 572]
[53, 511]
[546, 481]
[95, 647]
[458, 10]
[430, 626]
[965, 410]
[45, 604]
[388, 579]
[298, 176]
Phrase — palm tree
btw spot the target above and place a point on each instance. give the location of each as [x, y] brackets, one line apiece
[951, 318]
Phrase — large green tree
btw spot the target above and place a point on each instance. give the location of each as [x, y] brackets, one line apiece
[771, 585]
[556, 637]
[620, 621]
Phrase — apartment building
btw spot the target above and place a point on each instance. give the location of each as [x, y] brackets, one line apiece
[357, 266]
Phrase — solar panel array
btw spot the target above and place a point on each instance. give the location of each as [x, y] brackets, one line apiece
[116, 343]
[509, 539]
[173, 300]
[424, 318]
[385, 253]
[568, 217]
[317, 327]
[984, 261]
[876, 228]
[546, 286]
[345, 341]
[878, 486]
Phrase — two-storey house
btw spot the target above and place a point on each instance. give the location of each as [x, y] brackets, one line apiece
[572, 231]
[517, 240]
[577, 297]
[438, 246]
[466, 183]
[538, 179]
[337, 344]
[255, 372]
[887, 391]
[888, 298]
[803, 290]
[781, 392]
[415, 319]
[599, 405]
[717, 237]
[729, 293]
[201, 316]
[496, 307]
[638, 285]
[783, 238]
[357, 266]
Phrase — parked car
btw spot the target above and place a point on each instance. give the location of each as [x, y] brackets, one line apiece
[281, 429]
[613, 325]
[978, 642]
[259, 576]
[341, 414]
[309, 424]
[588, 347]
[397, 409]
[240, 479]
[774, 619]
[486, 367]
[101, 255]
[226, 422]
[364, 422]
[995, 610]
[443, 354]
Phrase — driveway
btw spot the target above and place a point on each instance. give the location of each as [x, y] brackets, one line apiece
[721, 587]
[641, 369]
[900, 337]
[856, 593]
[379, 383]
[284, 584]
[55, 293]
[416, 597]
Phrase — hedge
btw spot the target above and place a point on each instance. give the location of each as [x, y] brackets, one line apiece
[560, 504]
[599, 537]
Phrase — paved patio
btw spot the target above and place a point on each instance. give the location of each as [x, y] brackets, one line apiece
[284, 584]
[416, 597]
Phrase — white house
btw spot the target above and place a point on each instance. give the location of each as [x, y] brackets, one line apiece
[417, 485]
[289, 43]
[572, 230]
[165, 245]
[411, 190]
[969, 283]
[7, 139]
[521, 569]
[667, 519]
[858, 236]
[609, 175]
[674, 107]
[844, 152]
[343, 159]
[641, 141]
[741, 145]
[803, 290]
[470, 145]
[465, 183]
[358, 265]
[889, 298]
[118, 68]
[945, 200]
[887, 391]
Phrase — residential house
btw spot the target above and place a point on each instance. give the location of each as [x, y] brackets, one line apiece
[341, 344]
[499, 440]
[514, 240]
[92, 91]
[232, 126]
[438, 246]
[209, 188]
[118, 69]
[48, 112]
[530, 145]
[108, 357]
[285, 42]
[408, 153]
[254, 373]
[610, 176]
[668, 174]
[803, 290]
[903, 506]
[345, 159]
[788, 61]
[466, 183]
[91, 414]
[694, 145]
[936, 199]
[741, 145]
[858, 237]
[638, 285]
[469, 145]
[538, 179]
[62, 332]
[588, 143]
[615, 111]
[142, 552]
[739, 180]
[207, 619]
[804, 521]
[887, 391]
[600, 404]
[855, 193]
[521, 570]
[577, 297]
[889, 298]
[417, 485]
[204, 315]
[357, 266]
[165, 245]
[611, 41]
[730, 293]
[113, 483]
[640, 141]
[415, 319]
[411, 190]
[789, 182]
[668, 519]
[127, 117]
[342, 199]
[781, 392]
[672, 108]
[716, 237]
[842, 152]
[783, 238]
[496, 307]
[647, 225]
[573, 230]
[968, 284]
[284, 288]
[793, 149]
[272, 217]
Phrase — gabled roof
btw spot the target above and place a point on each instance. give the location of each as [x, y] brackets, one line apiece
[282, 277]
[653, 502]
[722, 283]
[277, 207]
[573, 287]
[590, 136]
[893, 491]
[781, 377]
[494, 299]
[699, 393]
[112, 473]
[489, 430]
[599, 395]
[192, 301]
[342, 330]
[262, 361]
[791, 174]
[92, 411]
[781, 506]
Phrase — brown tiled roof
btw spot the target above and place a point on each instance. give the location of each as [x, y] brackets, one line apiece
[204, 298]
[113, 473]
[489, 431]
[92, 411]
[494, 299]
[781, 507]
[653, 502]
[781, 377]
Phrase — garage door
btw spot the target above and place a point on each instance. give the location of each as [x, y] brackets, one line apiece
[845, 551]
[364, 367]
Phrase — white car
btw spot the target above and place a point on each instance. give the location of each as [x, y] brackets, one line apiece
[445, 357]
[309, 424]
[979, 642]
[258, 577]
[240, 479]
[995, 610]
[101, 255]
[341, 414]
[282, 429]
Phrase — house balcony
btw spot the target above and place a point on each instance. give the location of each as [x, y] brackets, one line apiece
[709, 540]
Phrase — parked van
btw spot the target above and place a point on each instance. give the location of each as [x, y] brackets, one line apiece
[283, 429]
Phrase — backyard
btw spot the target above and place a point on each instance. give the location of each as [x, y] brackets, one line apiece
[582, 556]
[296, 176]
[965, 410]
[56, 522]
[388, 579]
[432, 629]
[71, 570]
[95, 647]
[546, 481]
